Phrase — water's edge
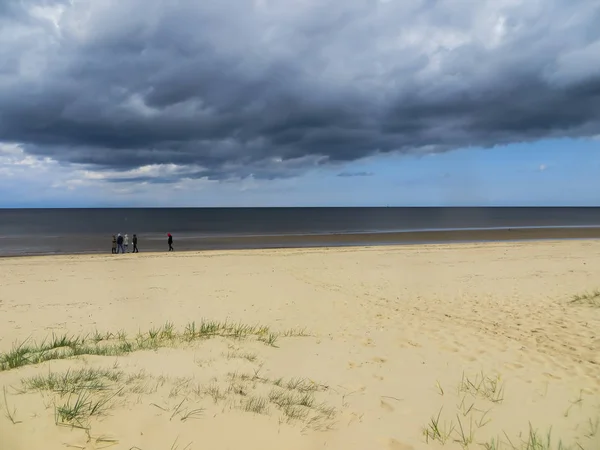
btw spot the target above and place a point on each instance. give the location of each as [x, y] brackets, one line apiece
[61, 245]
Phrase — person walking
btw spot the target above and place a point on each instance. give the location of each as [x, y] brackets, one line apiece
[170, 241]
[120, 244]
[134, 241]
[126, 243]
[114, 244]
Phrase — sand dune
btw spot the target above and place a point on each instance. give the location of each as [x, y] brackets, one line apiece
[394, 348]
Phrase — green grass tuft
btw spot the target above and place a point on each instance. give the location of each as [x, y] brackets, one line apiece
[489, 388]
[73, 381]
[436, 431]
[77, 410]
[109, 344]
[257, 405]
[269, 339]
[533, 440]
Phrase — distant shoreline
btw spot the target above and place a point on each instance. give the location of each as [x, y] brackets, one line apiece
[94, 245]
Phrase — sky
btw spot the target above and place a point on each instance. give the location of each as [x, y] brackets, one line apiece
[299, 103]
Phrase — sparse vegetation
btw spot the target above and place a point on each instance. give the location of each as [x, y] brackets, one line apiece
[184, 413]
[10, 412]
[462, 431]
[493, 444]
[73, 381]
[483, 420]
[575, 402]
[82, 394]
[469, 418]
[294, 384]
[257, 405]
[464, 438]
[78, 409]
[295, 398]
[269, 339]
[489, 388]
[295, 332]
[439, 388]
[65, 346]
[251, 357]
[587, 298]
[536, 441]
[593, 426]
[215, 392]
[175, 446]
[436, 431]
[465, 407]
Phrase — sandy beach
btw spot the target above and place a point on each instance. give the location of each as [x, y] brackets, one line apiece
[491, 346]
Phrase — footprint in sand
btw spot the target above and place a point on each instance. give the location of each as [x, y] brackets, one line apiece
[513, 365]
[408, 344]
[394, 444]
[450, 348]
[552, 376]
[386, 406]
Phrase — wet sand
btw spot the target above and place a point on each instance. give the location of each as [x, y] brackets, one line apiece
[85, 244]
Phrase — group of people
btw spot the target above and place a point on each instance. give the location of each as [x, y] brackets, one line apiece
[120, 244]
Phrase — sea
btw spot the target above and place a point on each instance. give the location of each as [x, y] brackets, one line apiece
[76, 231]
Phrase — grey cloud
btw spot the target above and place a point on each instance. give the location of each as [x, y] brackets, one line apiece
[355, 174]
[241, 89]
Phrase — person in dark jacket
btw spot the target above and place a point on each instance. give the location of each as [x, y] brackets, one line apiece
[170, 241]
[114, 244]
[120, 244]
[134, 241]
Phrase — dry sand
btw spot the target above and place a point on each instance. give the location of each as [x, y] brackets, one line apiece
[484, 335]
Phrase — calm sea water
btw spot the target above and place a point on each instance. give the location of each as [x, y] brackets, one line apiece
[35, 231]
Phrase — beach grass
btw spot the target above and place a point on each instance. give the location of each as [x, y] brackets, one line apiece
[463, 433]
[465, 437]
[248, 356]
[74, 413]
[174, 446]
[469, 419]
[11, 413]
[185, 413]
[436, 430]
[215, 392]
[587, 298]
[256, 405]
[535, 440]
[72, 381]
[109, 344]
[80, 395]
[302, 385]
[484, 386]
[294, 397]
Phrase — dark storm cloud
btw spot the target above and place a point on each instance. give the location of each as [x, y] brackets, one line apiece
[268, 89]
